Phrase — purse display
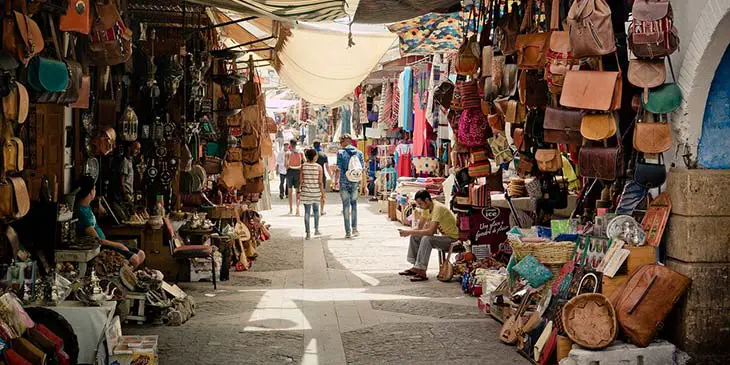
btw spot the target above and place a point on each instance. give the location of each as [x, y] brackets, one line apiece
[531, 50]
[232, 174]
[77, 18]
[21, 35]
[591, 28]
[111, 40]
[16, 103]
[652, 33]
[603, 163]
[548, 160]
[593, 90]
[501, 149]
[647, 74]
[652, 137]
[644, 301]
[650, 175]
[467, 58]
[537, 94]
[598, 127]
[563, 126]
[505, 34]
[252, 171]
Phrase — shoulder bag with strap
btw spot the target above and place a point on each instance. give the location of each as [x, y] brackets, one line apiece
[531, 47]
[593, 90]
[591, 28]
[21, 35]
[652, 33]
[508, 27]
[602, 163]
[111, 40]
[563, 126]
[77, 18]
[559, 56]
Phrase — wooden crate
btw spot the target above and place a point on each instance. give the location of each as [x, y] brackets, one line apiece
[392, 209]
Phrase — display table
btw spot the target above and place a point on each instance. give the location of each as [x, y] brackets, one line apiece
[89, 323]
[526, 204]
[149, 240]
[81, 257]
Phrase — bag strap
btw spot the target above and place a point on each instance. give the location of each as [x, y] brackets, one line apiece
[671, 69]
[52, 25]
[555, 15]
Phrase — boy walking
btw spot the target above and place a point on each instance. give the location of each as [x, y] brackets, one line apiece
[350, 177]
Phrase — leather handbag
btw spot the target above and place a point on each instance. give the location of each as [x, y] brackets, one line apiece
[254, 186]
[505, 34]
[650, 175]
[594, 90]
[652, 137]
[250, 155]
[21, 35]
[563, 126]
[598, 127]
[111, 40]
[518, 138]
[647, 74]
[496, 122]
[14, 199]
[663, 99]
[75, 74]
[82, 102]
[487, 55]
[548, 160]
[235, 154]
[531, 50]
[591, 28]
[444, 93]
[446, 269]
[537, 94]
[603, 163]
[232, 174]
[12, 154]
[16, 103]
[644, 301]
[47, 75]
[252, 171]
[500, 149]
[513, 324]
[559, 56]
[212, 165]
[467, 58]
[652, 33]
[77, 18]
[525, 165]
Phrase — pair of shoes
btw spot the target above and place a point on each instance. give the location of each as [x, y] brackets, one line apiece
[348, 236]
[308, 237]
[317, 233]
[355, 233]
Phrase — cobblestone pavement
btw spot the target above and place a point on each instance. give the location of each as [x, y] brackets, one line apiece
[332, 301]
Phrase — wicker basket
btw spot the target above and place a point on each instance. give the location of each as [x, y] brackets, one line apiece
[548, 252]
[590, 321]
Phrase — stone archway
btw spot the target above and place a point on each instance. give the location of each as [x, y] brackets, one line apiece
[704, 52]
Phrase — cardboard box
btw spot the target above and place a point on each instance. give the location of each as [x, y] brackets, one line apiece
[135, 350]
[644, 255]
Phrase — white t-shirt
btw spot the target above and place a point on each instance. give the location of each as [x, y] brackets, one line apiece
[280, 162]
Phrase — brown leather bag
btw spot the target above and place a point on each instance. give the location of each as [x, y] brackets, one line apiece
[111, 40]
[548, 160]
[591, 28]
[250, 155]
[652, 137]
[531, 50]
[467, 58]
[14, 199]
[496, 122]
[603, 163]
[84, 94]
[13, 154]
[212, 165]
[647, 74]
[254, 186]
[234, 154]
[563, 126]
[519, 139]
[252, 171]
[644, 301]
[77, 18]
[598, 127]
[505, 34]
[16, 103]
[594, 90]
[232, 174]
[21, 35]
[537, 94]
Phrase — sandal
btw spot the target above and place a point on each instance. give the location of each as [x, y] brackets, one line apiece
[418, 278]
[408, 272]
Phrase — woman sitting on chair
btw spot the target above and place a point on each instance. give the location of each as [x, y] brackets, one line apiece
[87, 223]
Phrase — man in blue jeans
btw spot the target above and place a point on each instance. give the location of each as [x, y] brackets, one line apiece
[349, 190]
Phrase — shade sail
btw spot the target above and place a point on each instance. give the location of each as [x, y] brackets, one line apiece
[309, 10]
[389, 11]
[239, 34]
[318, 65]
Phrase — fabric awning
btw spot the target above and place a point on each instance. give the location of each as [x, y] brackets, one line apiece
[240, 35]
[431, 33]
[307, 10]
[390, 11]
[316, 62]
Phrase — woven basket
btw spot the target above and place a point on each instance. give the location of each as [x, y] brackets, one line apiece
[590, 321]
[548, 252]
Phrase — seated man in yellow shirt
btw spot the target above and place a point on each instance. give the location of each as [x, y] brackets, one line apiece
[436, 217]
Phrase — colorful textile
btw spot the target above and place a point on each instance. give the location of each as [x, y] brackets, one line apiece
[425, 166]
[395, 105]
[419, 130]
[431, 33]
[405, 109]
[310, 10]
[404, 165]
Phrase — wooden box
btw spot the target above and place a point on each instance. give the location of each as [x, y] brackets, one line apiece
[644, 255]
[392, 209]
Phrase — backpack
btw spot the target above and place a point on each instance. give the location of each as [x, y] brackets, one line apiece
[591, 29]
[354, 169]
[652, 33]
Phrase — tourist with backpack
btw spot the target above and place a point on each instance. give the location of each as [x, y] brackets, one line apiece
[351, 174]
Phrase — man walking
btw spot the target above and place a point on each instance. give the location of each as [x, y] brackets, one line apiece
[281, 169]
[293, 162]
[323, 161]
[350, 178]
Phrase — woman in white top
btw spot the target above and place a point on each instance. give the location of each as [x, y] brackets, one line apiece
[311, 190]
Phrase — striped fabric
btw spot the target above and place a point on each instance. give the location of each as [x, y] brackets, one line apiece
[308, 10]
[310, 183]
[395, 110]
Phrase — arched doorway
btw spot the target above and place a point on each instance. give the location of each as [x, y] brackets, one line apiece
[714, 151]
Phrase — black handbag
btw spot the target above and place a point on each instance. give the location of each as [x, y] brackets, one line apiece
[650, 175]
[535, 125]
[8, 67]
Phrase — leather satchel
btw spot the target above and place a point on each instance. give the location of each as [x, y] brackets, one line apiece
[650, 175]
[252, 171]
[16, 103]
[663, 99]
[467, 58]
[232, 174]
[212, 165]
[548, 160]
[531, 50]
[603, 163]
[14, 199]
[519, 139]
[537, 94]
[505, 34]
[13, 154]
[643, 302]
[652, 33]
[647, 74]
[594, 90]
[563, 126]
[82, 102]
[235, 154]
[652, 137]
[591, 28]
[21, 35]
[250, 155]
[598, 127]
[111, 40]
[77, 18]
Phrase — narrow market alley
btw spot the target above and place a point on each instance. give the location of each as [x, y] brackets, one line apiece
[332, 301]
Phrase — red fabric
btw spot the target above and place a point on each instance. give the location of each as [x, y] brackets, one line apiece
[404, 165]
[419, 129]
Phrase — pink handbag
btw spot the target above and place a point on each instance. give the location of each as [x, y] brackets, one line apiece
[472, 128]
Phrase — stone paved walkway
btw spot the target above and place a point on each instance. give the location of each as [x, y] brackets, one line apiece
[332, 301]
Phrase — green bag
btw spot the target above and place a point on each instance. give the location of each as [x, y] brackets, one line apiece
[663, 99]
[47, 75]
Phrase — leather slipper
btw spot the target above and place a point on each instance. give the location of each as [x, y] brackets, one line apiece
[408, 272]
[418, 278]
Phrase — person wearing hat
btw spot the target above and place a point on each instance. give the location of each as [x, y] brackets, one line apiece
[87, 224]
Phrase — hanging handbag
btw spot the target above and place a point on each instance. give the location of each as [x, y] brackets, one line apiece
[252, 171]
[212, 165]
[647, 74]
[467, 58]
[472, 129]
[111, 40]
[496, 122]
[21, 35]
[598, 127]
[537, 94]
[559, 55]
[77, 18]
[14, 199]
[12, 151]
[507, 30]
[531, 50]
[500, 149]
[652, 33]
[232, 174]
[479, 165]
[650, 175]
[652, 137]
[644, 301]
[548, 160]
[594, 90]
[446, 269]
[591, 28]
[254, 186]
[16, 104]
[603, 163]
[563, 126]
[525, 165]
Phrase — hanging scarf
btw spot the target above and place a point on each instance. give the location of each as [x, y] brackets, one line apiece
[405, 111]
[396, 105]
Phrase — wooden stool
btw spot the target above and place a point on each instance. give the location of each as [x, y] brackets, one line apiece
[81, 257]
[136, 305]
